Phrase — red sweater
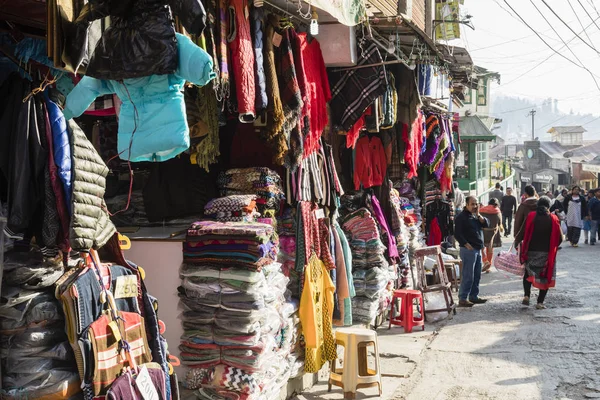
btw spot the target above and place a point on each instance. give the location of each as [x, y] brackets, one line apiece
[370, 163]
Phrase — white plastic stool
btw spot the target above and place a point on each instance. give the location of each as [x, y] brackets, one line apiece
[355, 373]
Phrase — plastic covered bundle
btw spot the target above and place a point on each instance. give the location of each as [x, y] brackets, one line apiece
[36, 357]
[29, 270]
[52, 383]
[364, 310]
[369, 283]
[21, 308]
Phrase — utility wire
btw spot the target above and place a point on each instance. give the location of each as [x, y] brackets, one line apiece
[588, 14]
[581, 23]
[547, 58]
[541, 38]
[567, 25]
[565, 43]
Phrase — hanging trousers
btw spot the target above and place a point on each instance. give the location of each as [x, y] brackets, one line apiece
[527, 289]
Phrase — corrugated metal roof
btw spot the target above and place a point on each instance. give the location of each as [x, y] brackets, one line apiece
[553, 149]
[473, 126]
[585, 153]
[567, 129]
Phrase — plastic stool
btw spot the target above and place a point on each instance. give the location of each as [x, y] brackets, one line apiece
[355, 373]
[406, 317]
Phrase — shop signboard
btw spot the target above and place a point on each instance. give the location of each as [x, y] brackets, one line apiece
[526, 178]
[542, 177]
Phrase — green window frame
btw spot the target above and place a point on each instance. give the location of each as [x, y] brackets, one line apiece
[468, 96]
[481, 158]
[482, 93]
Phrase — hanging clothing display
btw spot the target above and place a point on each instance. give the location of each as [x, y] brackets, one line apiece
[356, 89]
[240, 43]
[316, 312]
[140, 40]
[142, 129]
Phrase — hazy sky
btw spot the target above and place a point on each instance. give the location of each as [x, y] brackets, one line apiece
[503, 43]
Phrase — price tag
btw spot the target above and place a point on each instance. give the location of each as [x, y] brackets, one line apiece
[319, 213]
[145, 385]
[126, 287]
[277, 39]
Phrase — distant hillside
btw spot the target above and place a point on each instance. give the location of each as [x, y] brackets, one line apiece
[516, 124]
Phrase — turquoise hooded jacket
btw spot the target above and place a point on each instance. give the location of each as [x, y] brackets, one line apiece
[152, 121]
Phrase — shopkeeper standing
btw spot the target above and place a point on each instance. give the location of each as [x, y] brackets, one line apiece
[468, 231]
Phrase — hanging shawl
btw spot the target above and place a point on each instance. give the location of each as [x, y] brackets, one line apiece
[443, 150]
[275, 116]
[302, 81]
[211, 36]
[432, 143]
[207, 151]
[319, 92]
[357, 89]
[390, 103]
[223, 49]
[547, 275]
[291, 98]
[446, 178]
[414, 142]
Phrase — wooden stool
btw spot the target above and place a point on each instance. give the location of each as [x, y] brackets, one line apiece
[355, 373]
[444, 286]
[453, 276]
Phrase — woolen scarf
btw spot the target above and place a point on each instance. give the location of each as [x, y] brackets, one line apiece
[275, 116]
[555, 237]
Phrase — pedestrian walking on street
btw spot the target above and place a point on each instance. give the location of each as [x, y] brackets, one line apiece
[497, 193]
[528, 205]
[468, 231]
[538, 251]
[492, 236]
[508, 206]
[594, 214]
[562, 195]
[576, 209]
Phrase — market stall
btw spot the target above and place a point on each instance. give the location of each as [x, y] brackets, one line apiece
[217, 163]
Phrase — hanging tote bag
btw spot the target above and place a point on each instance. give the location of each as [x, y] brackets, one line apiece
[508, 261]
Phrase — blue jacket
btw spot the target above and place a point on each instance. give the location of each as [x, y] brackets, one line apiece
[152, 121]
[61, 146]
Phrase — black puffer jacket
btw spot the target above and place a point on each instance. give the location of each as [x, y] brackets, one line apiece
[141, 38]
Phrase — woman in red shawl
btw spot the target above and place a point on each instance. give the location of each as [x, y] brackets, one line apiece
[491, 235]
[538, 252]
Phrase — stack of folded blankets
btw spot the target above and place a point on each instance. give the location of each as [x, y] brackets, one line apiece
[369, 265]
[260, 181]
[234, 208]
[37, 360]
[235, 319]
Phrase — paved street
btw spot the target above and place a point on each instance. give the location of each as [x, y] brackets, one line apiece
[502, 350]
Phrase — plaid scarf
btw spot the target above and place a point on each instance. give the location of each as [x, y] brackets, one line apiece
[358, 88]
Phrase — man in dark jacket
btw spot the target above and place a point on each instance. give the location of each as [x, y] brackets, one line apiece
[468, 231]
[508, 206]
[594, 214]
[528, 205]
[497, 193]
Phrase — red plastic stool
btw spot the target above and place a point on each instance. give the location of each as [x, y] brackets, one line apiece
[406, 317]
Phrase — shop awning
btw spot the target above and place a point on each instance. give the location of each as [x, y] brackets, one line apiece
[473, 129]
